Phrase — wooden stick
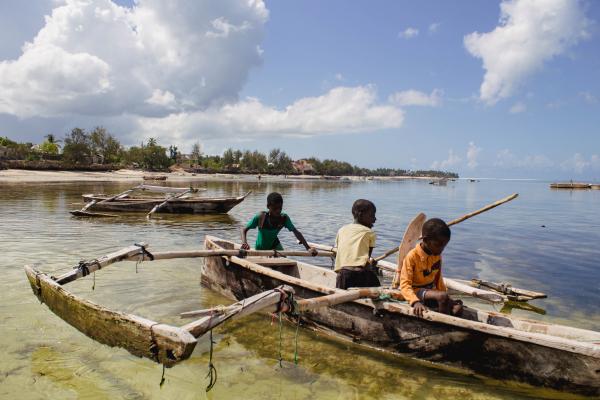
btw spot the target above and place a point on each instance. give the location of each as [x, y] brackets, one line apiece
[456, 221]
[337, 298]
[484, 209]
[161, 205]
[166, 255]
[95, 265]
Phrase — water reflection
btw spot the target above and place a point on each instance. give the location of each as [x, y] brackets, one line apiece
[51, 359]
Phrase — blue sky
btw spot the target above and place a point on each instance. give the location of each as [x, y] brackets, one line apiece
[484, 88]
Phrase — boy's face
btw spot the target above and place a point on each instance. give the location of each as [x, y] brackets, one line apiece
[367, 218]
[436, 245]
[275, 209]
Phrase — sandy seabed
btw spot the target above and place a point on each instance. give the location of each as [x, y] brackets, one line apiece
[129, 175]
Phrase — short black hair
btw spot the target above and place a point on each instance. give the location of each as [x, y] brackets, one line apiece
[274, 198]
[361, 206]
[435, 228]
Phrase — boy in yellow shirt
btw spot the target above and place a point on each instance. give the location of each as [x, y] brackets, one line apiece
[353, 263]
[421, 281]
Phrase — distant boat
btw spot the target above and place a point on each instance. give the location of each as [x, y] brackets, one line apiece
[177, 201]
[597, 187]
[570, 185]
[155, 177]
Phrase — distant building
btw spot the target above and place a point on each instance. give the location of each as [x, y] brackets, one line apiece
[303, 166]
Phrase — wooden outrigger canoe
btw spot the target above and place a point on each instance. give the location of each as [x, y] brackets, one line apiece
[486, 343]
[570, 185]
[177, 204]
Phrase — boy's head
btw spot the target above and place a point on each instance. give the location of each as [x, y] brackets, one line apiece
[436, 235]
[274, 203]
[364, 212]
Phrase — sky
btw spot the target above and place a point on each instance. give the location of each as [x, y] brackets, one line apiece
[505, 89]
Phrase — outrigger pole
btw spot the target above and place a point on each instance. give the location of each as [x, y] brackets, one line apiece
[163, 343]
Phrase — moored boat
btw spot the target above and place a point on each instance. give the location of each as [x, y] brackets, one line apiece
[181, 201]
[485, 343]
[570, 185]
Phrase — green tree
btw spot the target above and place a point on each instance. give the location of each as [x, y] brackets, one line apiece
[78, 147]
[228, 157]
[197, 153]
[48, 147]
[155, 156]
[106, 146]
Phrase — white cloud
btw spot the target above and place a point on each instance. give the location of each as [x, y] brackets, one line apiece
[579, 163]
[408, 33]
[451, 161]
[530, 33]
[518, 107]
[588, 97]
[472, 154]
[434, 27]
[416, 98]
[97, 58]
[506, 159]
[341, 110]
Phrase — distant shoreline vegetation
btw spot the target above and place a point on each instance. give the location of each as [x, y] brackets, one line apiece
[99, 150]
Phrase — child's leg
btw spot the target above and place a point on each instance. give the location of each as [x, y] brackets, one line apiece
[443, 300]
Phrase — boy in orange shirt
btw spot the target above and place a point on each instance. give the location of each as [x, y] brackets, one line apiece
[421, 281]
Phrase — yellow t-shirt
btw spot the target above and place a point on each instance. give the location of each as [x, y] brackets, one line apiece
[353, 242]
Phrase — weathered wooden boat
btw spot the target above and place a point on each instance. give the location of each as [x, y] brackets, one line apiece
[486, 343]
[570, 185]
[180, 202]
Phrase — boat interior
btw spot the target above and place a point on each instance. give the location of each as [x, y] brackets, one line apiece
[323, 277]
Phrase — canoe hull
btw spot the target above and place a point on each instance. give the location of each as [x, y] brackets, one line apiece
[359, 321]
[176, 206]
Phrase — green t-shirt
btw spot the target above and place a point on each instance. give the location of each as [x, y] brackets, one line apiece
[267, 235]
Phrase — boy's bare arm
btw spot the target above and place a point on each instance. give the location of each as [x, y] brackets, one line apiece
[303, 241]
[245, 244]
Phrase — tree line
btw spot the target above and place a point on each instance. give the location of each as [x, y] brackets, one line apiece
[100, 147]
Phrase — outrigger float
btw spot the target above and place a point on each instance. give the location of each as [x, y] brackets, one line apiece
[486, 343]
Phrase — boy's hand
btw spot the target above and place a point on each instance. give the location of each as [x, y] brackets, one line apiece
[245, 246]
[372, 262]
[419, 308]
[313, 252]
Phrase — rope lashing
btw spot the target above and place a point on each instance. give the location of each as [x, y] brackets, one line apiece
[143, 252]
[242, 253]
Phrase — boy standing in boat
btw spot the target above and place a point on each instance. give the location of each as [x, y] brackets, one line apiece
[421, 281]
[269, 223]
[353, 263]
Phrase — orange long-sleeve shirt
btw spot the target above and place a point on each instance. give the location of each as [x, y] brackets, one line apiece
[420, 270]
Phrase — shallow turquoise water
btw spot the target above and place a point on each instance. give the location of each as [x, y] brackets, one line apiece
[545, 240]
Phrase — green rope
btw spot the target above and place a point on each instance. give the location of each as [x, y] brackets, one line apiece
[94, 281]
[212, 371]
[296, 341]
[280, 340]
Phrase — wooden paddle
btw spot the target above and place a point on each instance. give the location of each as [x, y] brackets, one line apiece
[458, 220]
[411, 235]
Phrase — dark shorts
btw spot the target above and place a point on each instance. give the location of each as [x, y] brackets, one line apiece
[421, 295]
[347, 278]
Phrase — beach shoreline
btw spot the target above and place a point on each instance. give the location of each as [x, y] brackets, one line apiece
[14, 176]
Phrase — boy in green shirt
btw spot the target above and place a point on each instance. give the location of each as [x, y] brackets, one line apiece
[269, 223]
